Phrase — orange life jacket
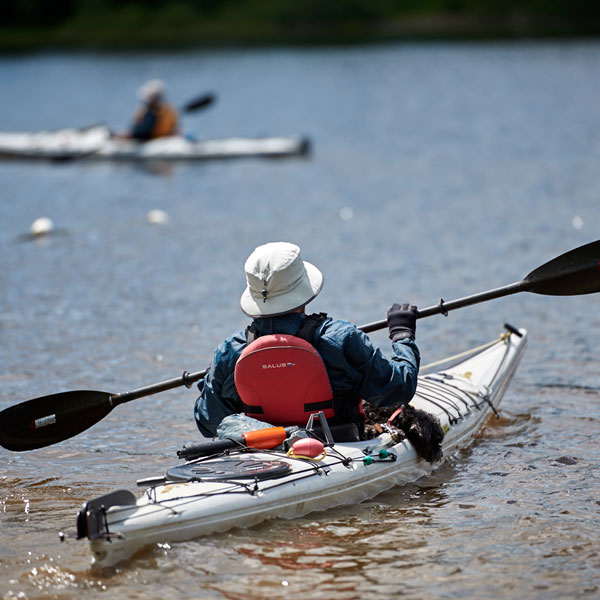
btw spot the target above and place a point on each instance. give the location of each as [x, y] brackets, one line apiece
[166, 122]
[282, 380]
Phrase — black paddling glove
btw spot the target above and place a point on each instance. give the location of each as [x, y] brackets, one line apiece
[402, 321]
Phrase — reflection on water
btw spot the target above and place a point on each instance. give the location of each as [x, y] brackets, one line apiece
[438, 171]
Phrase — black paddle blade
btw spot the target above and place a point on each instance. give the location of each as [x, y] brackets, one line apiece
[200, 102]
[570, 274]
[50, 419]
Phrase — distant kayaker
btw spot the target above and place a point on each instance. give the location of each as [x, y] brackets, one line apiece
[279, 286]
[157, 118]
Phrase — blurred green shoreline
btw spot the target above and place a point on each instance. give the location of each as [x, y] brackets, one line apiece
[105, 25]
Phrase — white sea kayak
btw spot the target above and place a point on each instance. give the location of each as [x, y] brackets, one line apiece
[97, 143]
[241, 487]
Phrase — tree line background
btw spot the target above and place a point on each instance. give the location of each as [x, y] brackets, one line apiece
[172, 23]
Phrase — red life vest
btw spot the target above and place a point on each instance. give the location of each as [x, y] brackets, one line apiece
[282, 380]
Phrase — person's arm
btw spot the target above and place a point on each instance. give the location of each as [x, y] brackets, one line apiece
[379, 380]
[218, 395]
[386, 382]
[211, 406]
[142, 128]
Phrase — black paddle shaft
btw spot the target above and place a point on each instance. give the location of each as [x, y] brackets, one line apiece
[50, 419]
[200, 102]
[573, 273]
[186, 379]
[443, 308]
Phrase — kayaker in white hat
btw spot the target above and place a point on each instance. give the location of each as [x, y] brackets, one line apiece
[157, 118]
[288, 365]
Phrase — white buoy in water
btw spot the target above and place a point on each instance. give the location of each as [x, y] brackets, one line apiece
[41, 226]
[346, 213]
[157, 217]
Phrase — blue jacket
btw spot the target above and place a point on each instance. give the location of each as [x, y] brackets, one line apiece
[353, 364]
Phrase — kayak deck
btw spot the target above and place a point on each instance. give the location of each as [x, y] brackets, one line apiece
[242, 488]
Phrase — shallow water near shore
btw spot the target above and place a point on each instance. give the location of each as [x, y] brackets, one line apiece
[438, 170]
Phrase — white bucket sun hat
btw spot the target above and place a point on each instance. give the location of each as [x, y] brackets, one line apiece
[151, 90]
[279, 281]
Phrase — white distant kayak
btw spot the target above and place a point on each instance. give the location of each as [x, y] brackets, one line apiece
[240, 487]
[97, 143]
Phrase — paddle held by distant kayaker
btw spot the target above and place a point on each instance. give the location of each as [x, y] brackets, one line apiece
[288, 365]
[157, 118]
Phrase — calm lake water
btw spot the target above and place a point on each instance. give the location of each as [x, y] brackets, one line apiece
[437, 171]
